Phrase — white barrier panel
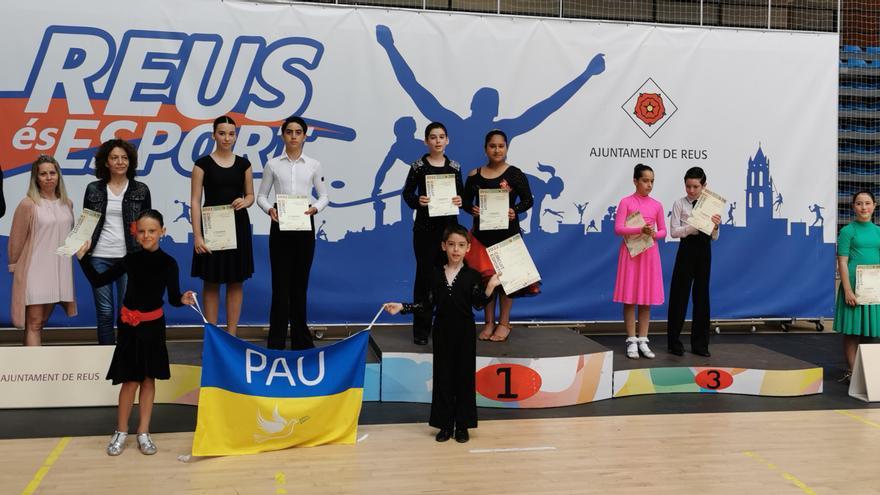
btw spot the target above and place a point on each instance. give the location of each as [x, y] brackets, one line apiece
[865, 382]
[56, 376]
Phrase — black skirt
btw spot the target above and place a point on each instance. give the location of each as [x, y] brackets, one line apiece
[228, 265]
[140, 353]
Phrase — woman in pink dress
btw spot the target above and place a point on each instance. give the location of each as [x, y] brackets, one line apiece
[639, 278]
[40, 277]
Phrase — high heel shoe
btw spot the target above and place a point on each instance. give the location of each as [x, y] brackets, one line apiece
[117, 443]
[644, 349]
[632, 347]
[145, 444]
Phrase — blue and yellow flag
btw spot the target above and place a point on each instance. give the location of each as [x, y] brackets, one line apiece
[254, 399]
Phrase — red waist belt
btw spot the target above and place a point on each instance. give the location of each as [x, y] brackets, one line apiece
[135, 317]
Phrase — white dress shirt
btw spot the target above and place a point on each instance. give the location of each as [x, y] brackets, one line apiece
[681, 211]
[295, 177]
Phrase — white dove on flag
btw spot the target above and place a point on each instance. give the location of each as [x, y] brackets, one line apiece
[277, 427]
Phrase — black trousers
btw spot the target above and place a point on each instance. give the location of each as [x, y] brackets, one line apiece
[454, 397]
[290, 255]
[429, 254]
[692, 266]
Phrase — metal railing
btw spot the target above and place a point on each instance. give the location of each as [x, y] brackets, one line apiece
[788, 15]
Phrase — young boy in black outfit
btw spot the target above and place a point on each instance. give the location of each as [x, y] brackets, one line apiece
[692, 265]
[455, 290]
[428, 230]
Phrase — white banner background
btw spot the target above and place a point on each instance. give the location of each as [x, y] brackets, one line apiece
[733, 91]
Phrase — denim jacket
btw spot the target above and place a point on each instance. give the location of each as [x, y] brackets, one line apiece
[135, 200]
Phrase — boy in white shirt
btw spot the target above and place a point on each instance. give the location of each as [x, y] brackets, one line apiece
[291, 252]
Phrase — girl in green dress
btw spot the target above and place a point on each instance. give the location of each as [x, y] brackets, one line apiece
[857, 244]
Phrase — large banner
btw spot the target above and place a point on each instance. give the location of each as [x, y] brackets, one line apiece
[582, 103]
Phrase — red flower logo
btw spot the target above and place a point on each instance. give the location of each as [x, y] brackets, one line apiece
[649, 108]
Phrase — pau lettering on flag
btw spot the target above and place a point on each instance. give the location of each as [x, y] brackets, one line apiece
[255, 400]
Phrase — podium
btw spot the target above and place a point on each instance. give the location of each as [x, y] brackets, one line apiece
[536, 368]
[733, 369]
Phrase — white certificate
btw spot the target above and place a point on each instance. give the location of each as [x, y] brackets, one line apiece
[636, 244]
[868, 284]
[708, 205]
[494, 204]
[512, 261]
[218, 226]
[292, 212]
[441, 189]
[82, 232]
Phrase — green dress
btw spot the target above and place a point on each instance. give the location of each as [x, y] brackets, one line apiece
[860, 241]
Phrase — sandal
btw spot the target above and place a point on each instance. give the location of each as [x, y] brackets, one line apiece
[503, 337]
[488, 330]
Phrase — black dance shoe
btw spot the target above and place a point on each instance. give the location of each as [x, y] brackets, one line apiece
[678, 350]
[461, 435]
[443, 435]
[702, 352]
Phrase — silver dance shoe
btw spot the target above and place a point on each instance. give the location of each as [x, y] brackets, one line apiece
[117, 443]
[145, 444]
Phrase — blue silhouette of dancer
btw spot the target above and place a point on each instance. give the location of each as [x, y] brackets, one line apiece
[555, 213]
[320, 234]
[778, 202]
[819, 218]
[541, 189]
[592, 226]
[184, 213]
[405, 148]
[730, 214]
[581, 208]
[466, 133]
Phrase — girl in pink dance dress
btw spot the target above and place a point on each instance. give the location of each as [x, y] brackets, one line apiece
[639, 278]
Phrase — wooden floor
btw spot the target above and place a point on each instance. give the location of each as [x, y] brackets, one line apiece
[820, 452]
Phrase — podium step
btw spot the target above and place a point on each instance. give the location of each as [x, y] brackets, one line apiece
[733, 369]
[536, 368]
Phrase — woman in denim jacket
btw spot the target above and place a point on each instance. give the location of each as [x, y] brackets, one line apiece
[119, 199]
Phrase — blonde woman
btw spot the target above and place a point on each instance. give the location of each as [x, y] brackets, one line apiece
[41, 278]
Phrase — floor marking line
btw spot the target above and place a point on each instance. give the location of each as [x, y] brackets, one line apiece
[858, 418]
[513, 449]
[785, 475]
[47, 464]
[280, 483]
[361, 439]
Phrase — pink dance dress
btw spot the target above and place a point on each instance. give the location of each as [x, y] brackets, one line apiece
[639, 279]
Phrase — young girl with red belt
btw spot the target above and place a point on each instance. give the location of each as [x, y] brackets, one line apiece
[140, 356]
